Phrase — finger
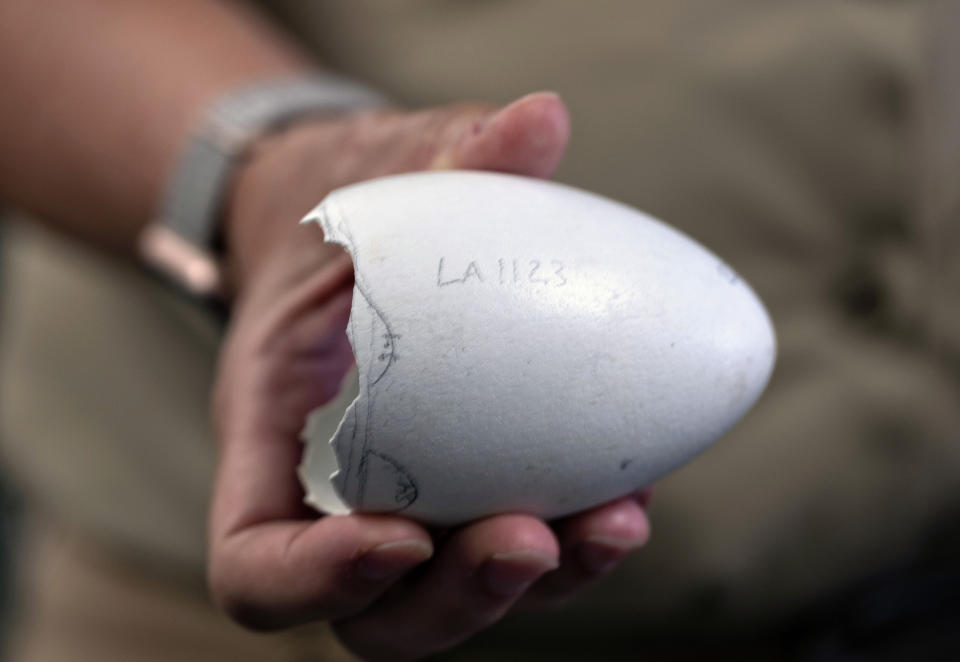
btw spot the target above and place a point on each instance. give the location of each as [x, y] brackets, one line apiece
[526, 137]
[262, 400]
[267, 569]
[285, 573]
[593, 543]
[478, 573]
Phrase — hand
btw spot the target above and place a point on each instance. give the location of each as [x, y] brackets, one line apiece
[273, 562]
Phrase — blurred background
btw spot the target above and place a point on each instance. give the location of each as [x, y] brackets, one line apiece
[814, 145]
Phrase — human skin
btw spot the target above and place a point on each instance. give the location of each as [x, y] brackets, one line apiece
[289, 346]
[97, 104]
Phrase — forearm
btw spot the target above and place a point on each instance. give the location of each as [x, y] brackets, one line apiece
[98, 97]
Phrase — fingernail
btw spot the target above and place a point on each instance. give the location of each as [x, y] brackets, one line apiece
[509, 574]
[599, 555]
[392, 559]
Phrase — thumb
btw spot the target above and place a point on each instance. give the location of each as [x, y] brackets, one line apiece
[526, 137]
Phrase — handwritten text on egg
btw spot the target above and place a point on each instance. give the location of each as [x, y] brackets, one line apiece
[506, 272]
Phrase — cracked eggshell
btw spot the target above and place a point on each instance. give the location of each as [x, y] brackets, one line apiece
[523, 346]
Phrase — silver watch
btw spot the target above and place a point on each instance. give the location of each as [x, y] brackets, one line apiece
[180, 242]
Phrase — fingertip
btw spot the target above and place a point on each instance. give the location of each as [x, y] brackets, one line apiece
[622, 522]
[601, 538]
[547, 118]
[509, 574]
[594, 543]
[609, 535]
[377, 550]
[515, 533]
[526, 137]
[375, 543]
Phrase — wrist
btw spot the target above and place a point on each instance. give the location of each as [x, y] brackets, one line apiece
[185, 241]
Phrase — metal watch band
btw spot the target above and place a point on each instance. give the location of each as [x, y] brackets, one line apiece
[180, 241]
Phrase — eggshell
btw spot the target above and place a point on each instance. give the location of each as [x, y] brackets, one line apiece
[523, 346]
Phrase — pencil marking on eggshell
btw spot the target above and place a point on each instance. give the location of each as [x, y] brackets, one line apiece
[376, 370]
[394, 474]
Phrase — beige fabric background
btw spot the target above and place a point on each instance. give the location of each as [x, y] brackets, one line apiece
[810, 144]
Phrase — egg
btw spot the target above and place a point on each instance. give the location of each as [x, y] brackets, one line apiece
[523, 346]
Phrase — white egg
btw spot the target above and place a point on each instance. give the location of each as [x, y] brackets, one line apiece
[523, 346]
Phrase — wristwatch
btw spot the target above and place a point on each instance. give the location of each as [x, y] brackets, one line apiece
[181, 242]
